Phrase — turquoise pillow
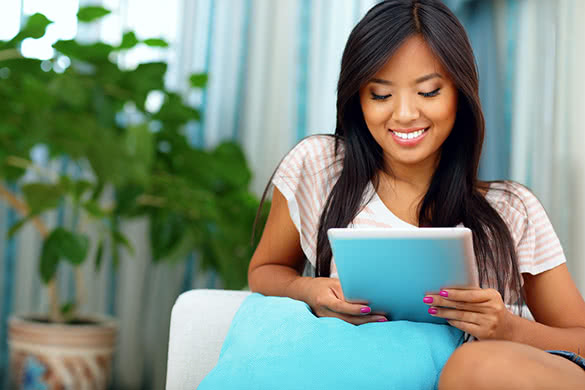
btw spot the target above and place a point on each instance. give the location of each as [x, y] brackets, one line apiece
[277, 343]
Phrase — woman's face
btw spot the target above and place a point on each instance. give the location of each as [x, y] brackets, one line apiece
[410, 105]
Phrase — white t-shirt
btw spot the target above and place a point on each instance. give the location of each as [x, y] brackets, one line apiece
[307, 174]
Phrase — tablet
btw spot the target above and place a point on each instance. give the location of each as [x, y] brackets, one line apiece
[393, 269]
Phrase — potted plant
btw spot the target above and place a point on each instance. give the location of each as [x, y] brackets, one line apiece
[135, 163]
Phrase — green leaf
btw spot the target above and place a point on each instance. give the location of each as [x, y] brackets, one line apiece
[144, 79]
[97, 190]
[166, 232]
[140, 143]
[181, 249]
[62, 244]
[95, 53]
[80, 187]
[66, 183]
[67, 308]
[91, 13]
[120, 239]
[174, 112]
[155, 42]
[230, 168]
[93, 208]
[18, 225]
[68, 311]
[42, 196]
[99, 255]
[35, 27]
[126, 200]
[50, 257]
[129, 40]
[199, 80]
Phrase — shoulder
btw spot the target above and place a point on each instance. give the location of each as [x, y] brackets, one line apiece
[514, 197]
[313, 155]
[521, 210]
[317, 147]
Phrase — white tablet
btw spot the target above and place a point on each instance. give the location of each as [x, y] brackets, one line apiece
[393, 269]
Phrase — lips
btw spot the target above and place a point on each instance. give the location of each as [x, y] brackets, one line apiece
[409, 137]
[411, 130]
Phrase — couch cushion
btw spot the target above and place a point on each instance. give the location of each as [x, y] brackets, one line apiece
[277, 343]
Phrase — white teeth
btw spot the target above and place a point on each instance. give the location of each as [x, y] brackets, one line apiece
[409, 135]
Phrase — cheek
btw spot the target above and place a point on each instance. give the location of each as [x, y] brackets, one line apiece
[443, 114]
[375, 113]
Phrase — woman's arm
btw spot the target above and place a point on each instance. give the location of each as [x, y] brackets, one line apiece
[276, 267]
[553, 299]
[559, 311]
[278, 261]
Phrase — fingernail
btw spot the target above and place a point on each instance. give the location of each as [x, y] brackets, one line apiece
[428, 299]
[365, 310]
[432, 310]
[444, 293]
[382, 320]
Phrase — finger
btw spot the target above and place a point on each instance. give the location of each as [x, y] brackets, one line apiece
[357, 320]
[467, 327]
[459, 315]
[471, 295]
[343, 307]
[338, 292]
[436, 300]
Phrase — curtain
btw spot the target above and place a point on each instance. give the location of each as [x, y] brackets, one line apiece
[547, 139]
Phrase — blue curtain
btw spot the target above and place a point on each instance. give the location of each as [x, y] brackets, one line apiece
[495, 81]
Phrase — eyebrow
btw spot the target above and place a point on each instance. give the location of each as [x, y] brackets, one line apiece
[417, 81]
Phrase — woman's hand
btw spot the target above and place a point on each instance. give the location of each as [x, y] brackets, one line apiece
[326, 299]
[479, 312]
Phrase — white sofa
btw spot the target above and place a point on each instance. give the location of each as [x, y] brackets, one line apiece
[200, 320]
[199, 323]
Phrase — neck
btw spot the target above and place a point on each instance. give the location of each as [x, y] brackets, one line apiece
[416, 176]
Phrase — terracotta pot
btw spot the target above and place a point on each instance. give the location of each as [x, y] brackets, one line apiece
[52, 356]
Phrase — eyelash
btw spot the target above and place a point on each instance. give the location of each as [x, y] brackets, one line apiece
[425, 94]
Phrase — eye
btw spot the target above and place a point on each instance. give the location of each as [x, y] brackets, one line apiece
[380, 97]
[430, 94]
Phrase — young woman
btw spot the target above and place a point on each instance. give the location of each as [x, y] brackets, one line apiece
[405, 153]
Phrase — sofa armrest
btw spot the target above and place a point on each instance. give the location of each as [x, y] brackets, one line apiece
[200, 320]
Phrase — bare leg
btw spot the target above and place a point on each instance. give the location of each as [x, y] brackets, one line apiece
[508, 365]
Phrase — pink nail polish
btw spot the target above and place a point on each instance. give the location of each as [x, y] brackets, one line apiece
[382, 320]
[428, 299]
[432, 310]
[365, 310]
[444, 294]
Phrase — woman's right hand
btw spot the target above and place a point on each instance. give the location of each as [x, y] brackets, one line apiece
[325, 297]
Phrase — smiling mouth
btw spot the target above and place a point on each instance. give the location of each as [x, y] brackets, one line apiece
[410, 135]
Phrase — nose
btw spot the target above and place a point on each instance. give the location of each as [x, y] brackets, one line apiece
[405, 110]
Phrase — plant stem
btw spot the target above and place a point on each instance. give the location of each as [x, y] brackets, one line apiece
[79, 289]
[22, 208]
[79, 285]
[9, 54]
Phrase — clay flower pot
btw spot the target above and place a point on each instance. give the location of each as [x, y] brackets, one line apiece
[53, 356]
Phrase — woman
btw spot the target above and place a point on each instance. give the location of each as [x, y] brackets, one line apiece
[406, 152]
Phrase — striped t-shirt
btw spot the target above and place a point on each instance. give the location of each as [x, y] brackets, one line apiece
[307, 174]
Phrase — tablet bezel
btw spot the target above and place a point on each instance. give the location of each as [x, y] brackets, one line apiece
[463, 236]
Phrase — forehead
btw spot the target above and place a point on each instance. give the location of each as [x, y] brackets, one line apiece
[412, 60]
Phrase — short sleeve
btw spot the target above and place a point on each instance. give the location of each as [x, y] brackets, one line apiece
[537, 246]
[305, 178]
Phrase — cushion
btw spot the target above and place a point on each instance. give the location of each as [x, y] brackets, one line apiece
[278, 343]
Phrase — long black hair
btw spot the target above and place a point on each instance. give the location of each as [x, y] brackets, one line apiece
[454, 195]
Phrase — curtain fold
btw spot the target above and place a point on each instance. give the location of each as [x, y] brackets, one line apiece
[547, 137]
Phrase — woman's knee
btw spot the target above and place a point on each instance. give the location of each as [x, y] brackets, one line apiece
[508, 365]
[477, 365]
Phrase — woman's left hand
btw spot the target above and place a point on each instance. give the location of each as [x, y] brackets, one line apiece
[479, 312]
